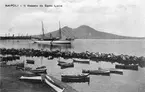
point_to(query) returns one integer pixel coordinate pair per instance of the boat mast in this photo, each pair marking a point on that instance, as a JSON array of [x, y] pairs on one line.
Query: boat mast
[[43, 29], [59, 31]]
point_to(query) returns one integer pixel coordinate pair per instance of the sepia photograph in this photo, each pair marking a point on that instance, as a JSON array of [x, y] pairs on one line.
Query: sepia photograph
[[72, 45]]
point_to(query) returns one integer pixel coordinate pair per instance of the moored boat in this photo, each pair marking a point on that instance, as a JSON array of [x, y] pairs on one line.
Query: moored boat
[[97, 72], [37, 71], [71, 80], [30, 61], [41, 67], [31, 78], [115, 71], [52, 84], [86, 61], [53, 42], [72, 76], [66, 65], [131, 67], [61, 42], [48, 80], [61, 62], [43, 42]]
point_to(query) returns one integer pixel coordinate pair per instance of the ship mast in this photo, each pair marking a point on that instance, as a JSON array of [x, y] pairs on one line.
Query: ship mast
[[59, 31], [43, 29]]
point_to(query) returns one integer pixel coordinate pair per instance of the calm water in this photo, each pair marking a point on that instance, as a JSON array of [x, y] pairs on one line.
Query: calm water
[[130, 81]]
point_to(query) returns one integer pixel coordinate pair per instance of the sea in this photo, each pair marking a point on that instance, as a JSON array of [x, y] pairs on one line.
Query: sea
[[130, 81]]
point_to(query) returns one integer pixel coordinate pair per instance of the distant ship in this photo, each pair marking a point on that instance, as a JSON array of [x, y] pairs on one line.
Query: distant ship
[[53, 40]]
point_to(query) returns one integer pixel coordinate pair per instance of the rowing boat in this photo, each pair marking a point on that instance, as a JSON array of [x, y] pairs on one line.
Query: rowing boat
[[30, 61], [71, 80], [32, 78], [37, 71], [48, 80], [97, 72], [85, 61], [52, 84], [72, 76]]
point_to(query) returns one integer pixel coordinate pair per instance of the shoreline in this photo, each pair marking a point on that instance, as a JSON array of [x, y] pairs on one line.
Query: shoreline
[[9, 82]]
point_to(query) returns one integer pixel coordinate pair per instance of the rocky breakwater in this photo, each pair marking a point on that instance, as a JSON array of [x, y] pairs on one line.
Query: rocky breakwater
[[95, 56]]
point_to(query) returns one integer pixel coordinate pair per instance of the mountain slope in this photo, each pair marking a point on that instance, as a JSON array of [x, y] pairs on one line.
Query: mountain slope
[[90, 33], [86, 32], [65, 31]]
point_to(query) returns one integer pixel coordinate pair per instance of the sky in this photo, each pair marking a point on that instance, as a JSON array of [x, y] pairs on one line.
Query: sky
[[121, 17]]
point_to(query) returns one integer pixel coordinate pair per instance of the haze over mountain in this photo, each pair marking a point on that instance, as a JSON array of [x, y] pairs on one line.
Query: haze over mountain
[[86, 32]]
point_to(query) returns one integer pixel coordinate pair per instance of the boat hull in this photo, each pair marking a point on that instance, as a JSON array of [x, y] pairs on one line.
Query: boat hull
[[31, 79], [37, 71], [66, 65], [61, 42], [96, 72], [46, 79], [41, 67], [85, 79], [115, 71], [74, 76], [43, 42], [82, 61], [53, 42], [30, 61], [52, 84]]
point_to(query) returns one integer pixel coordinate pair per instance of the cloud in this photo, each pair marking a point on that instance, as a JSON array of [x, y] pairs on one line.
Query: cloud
[[123, 17]]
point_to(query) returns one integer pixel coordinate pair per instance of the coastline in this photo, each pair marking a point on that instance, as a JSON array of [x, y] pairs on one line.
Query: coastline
[[9, 82]]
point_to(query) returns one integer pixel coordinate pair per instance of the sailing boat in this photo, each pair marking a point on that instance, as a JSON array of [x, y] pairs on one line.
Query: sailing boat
[[43, 40], [53, 41]]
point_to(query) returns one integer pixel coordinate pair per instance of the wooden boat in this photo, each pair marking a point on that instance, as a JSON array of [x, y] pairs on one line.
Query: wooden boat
[[97, 72], [85, 79], [79, 76], [131, 67], [55, 42], [115, 71], [66, 65], [41, 67], [46, 79], [30, 61], [43, 42], [85, 61], [52, 84], [37, 71], [31, 78], [61, 42], [61, 62]]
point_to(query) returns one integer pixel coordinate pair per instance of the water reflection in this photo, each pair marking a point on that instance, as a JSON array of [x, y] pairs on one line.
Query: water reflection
[[94, 81], [61, 47]]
